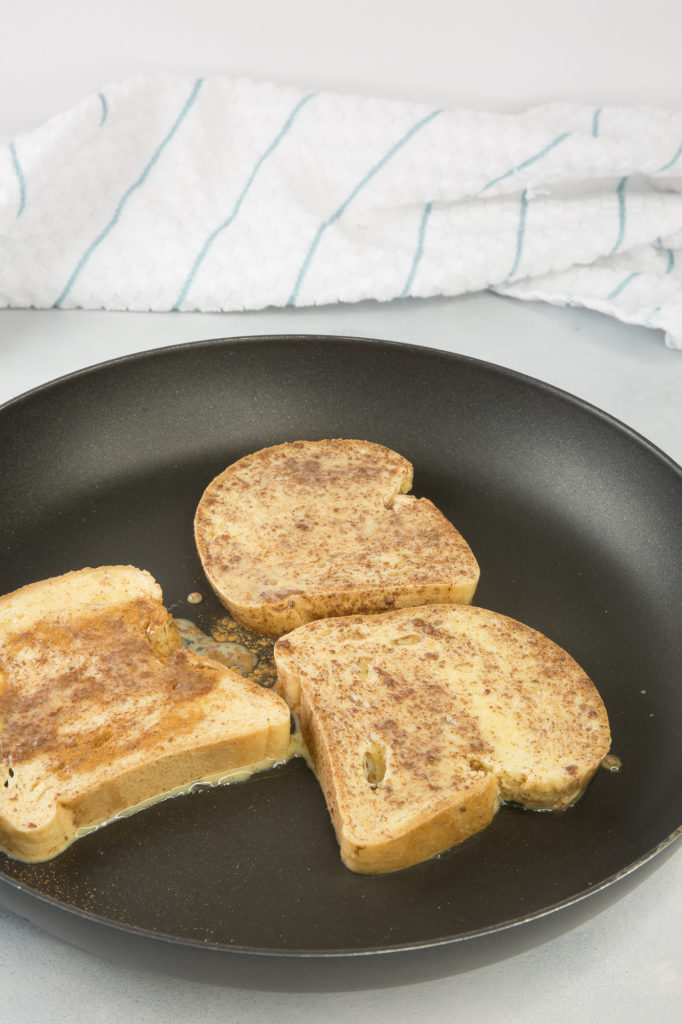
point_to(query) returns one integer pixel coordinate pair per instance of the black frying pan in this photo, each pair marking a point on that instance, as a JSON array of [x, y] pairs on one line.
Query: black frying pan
[[577, 525]]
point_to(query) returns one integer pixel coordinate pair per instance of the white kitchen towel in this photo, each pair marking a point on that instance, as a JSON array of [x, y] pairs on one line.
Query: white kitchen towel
[[171, 193]]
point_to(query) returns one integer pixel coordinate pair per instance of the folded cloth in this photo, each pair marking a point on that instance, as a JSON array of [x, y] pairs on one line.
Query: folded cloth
[[170, 193]]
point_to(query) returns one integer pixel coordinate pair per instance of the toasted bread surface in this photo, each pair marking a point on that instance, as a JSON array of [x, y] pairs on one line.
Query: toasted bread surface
[[102, 709], [312, 529], [420, 721]]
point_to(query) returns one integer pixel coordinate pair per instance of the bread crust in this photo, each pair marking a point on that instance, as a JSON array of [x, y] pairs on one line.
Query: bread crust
[[313, 529], [102, 709], [421, 721]]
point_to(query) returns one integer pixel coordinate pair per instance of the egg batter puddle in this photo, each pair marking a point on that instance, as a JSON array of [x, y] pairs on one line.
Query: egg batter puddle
[[233, 645]]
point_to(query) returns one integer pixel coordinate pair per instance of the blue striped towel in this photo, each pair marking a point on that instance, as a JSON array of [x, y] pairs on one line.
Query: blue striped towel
[[169, 193]]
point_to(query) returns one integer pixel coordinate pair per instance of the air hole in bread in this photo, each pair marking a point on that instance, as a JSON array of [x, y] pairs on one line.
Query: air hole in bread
[[100, 738], [478, 766], [363, 666], [407, 640], [374, 765]]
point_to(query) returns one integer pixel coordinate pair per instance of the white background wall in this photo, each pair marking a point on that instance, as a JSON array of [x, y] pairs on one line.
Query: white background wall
[[487, 54]]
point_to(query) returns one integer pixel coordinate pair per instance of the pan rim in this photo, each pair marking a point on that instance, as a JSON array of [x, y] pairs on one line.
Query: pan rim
[[345, 954], [312, 338]]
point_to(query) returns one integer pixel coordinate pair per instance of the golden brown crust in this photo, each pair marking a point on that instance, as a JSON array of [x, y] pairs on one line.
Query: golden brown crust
[[313, 529], [102, 709], [420, 721]]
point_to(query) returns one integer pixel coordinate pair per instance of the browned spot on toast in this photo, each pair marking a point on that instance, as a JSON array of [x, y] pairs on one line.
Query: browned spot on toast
[[112, 664]]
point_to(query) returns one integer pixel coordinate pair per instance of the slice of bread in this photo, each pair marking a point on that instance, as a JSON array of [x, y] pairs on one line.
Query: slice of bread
[[102, 709], [420, 721], [313, 529]]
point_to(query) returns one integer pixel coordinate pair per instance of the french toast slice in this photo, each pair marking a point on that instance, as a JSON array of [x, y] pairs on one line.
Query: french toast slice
[[312, 529], [102, 709], [420, 721]]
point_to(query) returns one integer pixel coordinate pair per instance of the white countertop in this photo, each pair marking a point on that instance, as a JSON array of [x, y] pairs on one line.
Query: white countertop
[[625, 963]]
